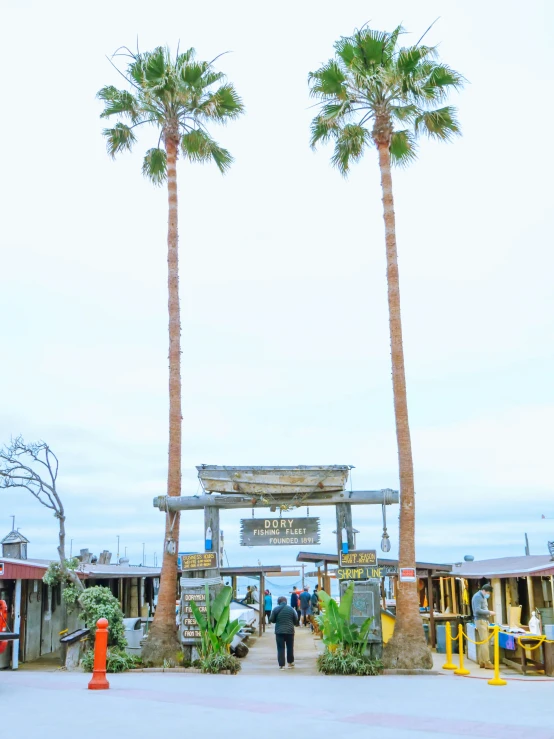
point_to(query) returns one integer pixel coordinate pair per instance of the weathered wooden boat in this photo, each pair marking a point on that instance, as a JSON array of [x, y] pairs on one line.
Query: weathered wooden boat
[[301, 480]]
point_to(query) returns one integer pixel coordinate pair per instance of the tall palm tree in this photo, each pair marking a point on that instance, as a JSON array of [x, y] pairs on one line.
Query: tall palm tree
[[178, 96], [376, 92]]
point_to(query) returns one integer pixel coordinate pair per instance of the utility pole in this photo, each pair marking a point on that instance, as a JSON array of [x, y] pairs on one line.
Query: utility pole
[[527, 551], [143, 554], [70, 548], [117, 548]]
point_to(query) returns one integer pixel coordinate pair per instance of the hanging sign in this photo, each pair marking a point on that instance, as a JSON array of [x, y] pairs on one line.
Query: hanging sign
[[263, 532], [408, 574], [365, 573], [200, 561], [358, 557]]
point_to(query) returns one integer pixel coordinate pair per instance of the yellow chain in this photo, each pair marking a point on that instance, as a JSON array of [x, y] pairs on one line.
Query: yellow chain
[[479, 642]]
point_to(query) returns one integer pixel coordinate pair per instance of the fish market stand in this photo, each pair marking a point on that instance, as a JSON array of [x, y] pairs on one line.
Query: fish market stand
[[520, 586]]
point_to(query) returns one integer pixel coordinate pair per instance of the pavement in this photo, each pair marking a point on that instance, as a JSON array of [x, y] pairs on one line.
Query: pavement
[[263, 701]]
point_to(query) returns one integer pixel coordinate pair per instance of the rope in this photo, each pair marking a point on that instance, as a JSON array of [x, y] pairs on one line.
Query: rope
[[199, 582], [542, 640], [478, 643]]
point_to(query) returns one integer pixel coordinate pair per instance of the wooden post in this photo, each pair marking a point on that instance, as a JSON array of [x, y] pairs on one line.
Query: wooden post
[[16, 625], [531, 594], [552, 589], [430, 600], [344, 519], [441, 583], [454, 595], [514, 592], [211, 521], [326, 585]]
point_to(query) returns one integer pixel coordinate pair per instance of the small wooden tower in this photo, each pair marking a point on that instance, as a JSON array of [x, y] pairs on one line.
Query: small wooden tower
[[14, 546]]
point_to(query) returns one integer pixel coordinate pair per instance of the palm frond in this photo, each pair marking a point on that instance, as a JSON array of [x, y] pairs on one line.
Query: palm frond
[[403, 148], [154, 166], [350, 142], [322, 129], [118, 102], [438, 124], [155, 67], [409, 58], [329, 81], [119, 138], [404, 112], [222, 104], [198, 146]]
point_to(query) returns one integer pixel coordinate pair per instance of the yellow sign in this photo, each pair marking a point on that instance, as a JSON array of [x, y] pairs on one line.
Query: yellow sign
[[364, 573], [358, 557]]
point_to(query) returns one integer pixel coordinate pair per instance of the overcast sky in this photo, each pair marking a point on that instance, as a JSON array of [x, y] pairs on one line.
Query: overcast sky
[[285, 330]]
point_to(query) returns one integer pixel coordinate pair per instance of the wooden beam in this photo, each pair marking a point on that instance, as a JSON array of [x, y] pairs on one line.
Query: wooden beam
[[197, 502], [454, 595], [531, 594], [443, 608], [431, 603]]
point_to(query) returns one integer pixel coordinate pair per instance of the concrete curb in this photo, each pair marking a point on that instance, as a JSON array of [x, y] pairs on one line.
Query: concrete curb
[[410, 672]]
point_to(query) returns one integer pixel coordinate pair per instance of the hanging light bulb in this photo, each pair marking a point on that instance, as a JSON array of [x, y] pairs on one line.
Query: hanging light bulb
[[385, 541]]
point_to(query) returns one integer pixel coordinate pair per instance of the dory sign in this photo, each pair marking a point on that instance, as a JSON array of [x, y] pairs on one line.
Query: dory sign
[[264, 532]]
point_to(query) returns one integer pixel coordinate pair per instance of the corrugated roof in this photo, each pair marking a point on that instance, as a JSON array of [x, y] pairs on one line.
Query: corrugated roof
[[532, 564], [93, 571]]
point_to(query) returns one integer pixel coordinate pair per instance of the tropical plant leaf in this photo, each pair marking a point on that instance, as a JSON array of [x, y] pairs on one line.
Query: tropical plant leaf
[[346, 600], [439, 124], [350, 142], [119, 138], [221, 602], [198, 615], [403, 147], [155, 166], [197, 146], [231, 631], [222, 621]]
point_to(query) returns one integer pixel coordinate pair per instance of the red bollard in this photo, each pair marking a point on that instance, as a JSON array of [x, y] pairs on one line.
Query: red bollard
[[98, 680]]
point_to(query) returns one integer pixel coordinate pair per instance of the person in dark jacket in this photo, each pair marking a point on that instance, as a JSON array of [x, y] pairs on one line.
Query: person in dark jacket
[[306, 606], [285, 619], [295, 601]]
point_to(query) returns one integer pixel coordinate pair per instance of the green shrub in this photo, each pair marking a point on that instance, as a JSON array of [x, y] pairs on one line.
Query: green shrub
[[117, 660], [345, 662], [99, 602], [220, 662]]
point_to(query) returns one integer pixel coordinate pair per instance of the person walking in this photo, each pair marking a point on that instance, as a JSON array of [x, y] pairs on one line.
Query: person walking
[[305, 606], [285, 619], [268, 604], [295, 601], [481, 615]]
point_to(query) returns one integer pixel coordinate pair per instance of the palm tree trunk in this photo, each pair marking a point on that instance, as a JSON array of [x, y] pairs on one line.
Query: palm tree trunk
[[407, 647], [163, 641]]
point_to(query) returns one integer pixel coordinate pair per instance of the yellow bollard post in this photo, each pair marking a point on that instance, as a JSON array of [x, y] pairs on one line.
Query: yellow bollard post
[[497, 680], [448, 665], [461, 669]]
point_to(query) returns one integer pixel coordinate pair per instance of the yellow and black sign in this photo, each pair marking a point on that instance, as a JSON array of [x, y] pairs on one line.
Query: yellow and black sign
[[365, 573], [365, 557], [200, 561]]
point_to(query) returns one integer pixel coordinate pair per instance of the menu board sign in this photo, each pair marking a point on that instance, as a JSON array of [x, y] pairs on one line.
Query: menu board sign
[[200, 561], [190, 630]]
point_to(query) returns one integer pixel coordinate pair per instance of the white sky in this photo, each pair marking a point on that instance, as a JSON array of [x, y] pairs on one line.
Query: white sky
[[285, 335]]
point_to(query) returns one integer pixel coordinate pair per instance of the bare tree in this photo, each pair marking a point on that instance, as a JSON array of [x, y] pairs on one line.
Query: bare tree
[[35, 467]]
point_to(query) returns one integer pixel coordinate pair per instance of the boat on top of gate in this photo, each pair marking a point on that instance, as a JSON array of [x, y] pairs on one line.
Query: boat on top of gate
[[300, 480]]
